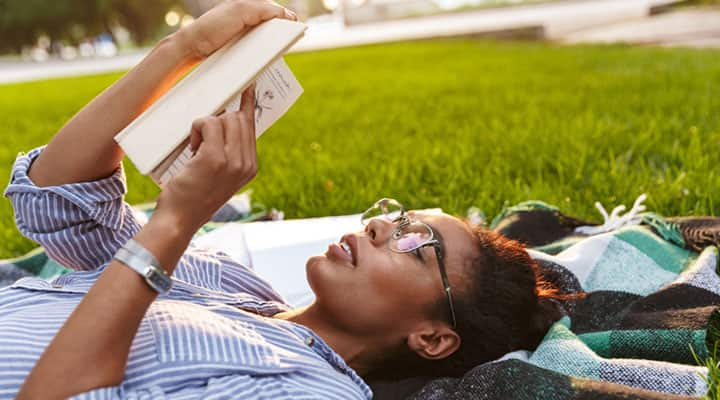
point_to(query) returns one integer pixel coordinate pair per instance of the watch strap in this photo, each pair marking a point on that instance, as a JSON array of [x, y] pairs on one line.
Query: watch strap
[[142, 261]]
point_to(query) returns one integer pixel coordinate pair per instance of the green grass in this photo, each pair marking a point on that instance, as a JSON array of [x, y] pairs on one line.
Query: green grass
[[456, 123], [712, 378]]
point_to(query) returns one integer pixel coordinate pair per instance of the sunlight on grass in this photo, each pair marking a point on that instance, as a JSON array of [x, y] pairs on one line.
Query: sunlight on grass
[[712, 361], [456, 123]]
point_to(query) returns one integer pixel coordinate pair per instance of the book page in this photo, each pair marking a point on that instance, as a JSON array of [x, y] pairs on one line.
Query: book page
[[276, 90]]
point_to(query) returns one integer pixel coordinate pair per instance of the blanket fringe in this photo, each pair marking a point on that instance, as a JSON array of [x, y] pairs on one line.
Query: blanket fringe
[[614, 220]]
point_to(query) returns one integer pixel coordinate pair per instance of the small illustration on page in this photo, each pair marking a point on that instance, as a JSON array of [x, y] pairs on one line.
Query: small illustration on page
[[262, 102]]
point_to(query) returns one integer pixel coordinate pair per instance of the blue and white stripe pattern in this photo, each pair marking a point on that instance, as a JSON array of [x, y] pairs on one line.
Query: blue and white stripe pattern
[[211, 337]]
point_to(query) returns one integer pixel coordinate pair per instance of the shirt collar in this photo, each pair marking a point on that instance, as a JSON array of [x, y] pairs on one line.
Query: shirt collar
[[319, 346]]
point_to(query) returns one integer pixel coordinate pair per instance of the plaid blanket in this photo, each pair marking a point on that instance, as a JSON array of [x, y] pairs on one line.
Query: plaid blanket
[[653, 290], [639, 332]]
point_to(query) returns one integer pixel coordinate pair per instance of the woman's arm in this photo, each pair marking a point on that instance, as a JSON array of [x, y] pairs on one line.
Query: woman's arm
[[83, 224], [84, 149], [91, 349]]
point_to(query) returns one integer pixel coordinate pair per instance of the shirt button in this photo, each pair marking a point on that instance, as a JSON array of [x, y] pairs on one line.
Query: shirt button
[[310, 341]]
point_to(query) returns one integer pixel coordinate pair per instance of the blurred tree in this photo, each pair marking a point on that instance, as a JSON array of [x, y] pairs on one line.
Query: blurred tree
[[315, 7], [141, 17], [304, 8], [22, 21]]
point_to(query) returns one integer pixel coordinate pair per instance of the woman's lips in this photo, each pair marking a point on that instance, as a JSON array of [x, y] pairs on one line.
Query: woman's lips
[[338, 253], [352, 242]]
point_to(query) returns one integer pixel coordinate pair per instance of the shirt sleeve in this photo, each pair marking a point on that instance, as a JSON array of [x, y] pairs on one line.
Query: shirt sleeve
[[80, 225]]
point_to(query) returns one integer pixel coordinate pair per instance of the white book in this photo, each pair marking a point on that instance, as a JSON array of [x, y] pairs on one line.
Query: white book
[[157, 141]]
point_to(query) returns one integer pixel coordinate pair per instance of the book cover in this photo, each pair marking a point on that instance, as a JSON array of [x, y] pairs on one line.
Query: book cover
[[157, 140]]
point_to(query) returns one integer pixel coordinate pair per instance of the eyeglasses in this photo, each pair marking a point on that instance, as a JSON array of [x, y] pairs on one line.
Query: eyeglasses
[[410, 235]]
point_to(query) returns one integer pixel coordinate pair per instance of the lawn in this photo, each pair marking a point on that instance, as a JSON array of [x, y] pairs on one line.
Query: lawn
[[456, 123]]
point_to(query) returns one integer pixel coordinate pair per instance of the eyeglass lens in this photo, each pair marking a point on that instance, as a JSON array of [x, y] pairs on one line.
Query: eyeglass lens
[[411, 237], [386, 209]]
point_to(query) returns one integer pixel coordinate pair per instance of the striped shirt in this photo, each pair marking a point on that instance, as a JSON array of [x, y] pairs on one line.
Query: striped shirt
[[211, 337]]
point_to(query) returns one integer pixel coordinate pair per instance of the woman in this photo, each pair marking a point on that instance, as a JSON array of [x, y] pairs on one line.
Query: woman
[[426, 291]]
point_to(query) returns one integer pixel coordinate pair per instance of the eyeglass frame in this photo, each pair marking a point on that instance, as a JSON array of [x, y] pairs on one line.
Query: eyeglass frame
[[402, 221]]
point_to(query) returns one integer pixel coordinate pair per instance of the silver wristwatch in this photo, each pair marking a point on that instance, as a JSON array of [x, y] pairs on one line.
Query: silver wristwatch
[[137, 257]]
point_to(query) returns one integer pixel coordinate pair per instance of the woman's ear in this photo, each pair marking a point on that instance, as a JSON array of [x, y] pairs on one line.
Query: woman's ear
[[434, 342]]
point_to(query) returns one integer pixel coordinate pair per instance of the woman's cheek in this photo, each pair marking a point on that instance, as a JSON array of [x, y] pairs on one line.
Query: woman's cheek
[[393, 279]]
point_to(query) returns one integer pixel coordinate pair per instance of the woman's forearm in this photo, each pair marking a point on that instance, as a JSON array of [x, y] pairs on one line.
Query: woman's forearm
[[84, 149], [91, 349]]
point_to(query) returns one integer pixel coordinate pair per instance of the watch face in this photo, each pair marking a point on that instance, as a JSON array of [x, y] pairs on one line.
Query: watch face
[[160, 282]]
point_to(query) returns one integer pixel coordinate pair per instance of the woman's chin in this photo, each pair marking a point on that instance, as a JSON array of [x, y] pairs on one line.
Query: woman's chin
[[323, 273], [323, 261], [314, 260]]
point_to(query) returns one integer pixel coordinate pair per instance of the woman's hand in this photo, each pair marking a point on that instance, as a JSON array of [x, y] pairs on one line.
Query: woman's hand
[[224, 161], [217, 26], [94, 127]]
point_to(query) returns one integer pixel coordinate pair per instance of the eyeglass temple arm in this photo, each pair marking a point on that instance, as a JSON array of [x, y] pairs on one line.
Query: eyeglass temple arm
[[445, 281]]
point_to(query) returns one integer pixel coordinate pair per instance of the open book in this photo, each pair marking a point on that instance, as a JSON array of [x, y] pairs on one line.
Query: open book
[[157, 141]]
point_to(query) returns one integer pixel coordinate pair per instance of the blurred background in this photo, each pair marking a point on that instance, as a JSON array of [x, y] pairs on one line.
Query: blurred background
[[40, 31], [438, 103]]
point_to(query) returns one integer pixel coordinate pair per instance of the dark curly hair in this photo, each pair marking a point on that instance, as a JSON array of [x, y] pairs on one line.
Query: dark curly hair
[[505, 306]]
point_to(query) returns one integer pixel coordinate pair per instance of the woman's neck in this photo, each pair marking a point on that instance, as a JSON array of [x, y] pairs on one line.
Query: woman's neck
[[356, 351]]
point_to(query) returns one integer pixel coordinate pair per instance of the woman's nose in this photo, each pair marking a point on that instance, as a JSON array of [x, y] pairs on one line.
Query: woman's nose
[[379, 230]]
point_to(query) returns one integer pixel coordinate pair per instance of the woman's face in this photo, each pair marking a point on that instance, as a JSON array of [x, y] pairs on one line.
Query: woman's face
[[379, 290]]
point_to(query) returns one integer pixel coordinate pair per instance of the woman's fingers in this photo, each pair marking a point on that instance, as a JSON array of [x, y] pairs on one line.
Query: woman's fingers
[[248, 140], [263, 11], [289, 14], [279, 11], [228, 19], [195, 140], [240, 137], [212, 142], [247, 105], [285, 12], [245, 119], [268, 9]]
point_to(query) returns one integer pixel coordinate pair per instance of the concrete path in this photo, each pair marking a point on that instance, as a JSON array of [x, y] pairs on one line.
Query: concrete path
[[690, 28], [556, 19], [20, 71], [553, 20]]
